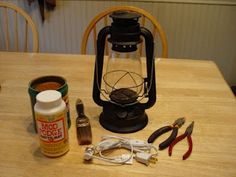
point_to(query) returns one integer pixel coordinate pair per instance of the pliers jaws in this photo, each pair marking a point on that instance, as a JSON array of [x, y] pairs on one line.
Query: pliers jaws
[[189, 129], [179, 122]]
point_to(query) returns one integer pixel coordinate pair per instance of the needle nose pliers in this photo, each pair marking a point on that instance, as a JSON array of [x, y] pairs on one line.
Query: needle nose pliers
[[187, 134], [174, 127]]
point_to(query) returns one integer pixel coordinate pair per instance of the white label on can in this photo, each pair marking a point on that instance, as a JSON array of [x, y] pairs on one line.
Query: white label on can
[[51, 131]]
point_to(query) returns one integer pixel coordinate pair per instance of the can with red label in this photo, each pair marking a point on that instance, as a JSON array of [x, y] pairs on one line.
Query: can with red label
[[51, 118]]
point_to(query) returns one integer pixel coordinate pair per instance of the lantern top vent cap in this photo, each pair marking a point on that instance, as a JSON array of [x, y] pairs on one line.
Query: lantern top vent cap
[[124, 15]]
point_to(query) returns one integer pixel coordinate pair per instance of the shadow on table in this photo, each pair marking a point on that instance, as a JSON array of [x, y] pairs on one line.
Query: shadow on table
[[37, 153], [30, 126], [31, 129], [233, 88]]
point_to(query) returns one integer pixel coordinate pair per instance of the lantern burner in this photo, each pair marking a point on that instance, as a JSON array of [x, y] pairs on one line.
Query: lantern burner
[[123, 119], [119, 92], [123, 96]]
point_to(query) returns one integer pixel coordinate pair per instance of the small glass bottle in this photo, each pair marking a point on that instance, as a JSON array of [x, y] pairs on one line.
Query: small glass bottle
[[51, 118]]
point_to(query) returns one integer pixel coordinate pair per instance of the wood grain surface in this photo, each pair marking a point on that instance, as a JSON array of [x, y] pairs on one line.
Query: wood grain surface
[[194, 89]]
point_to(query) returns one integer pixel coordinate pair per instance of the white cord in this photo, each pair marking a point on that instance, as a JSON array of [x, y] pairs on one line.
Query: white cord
[[113, 142], [138, 149]]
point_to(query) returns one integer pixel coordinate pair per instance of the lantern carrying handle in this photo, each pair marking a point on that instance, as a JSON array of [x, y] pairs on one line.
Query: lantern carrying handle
[[99, 62], [150, 68]]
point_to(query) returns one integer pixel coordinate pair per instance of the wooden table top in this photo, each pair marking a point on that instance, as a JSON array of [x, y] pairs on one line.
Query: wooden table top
[[194, 89]]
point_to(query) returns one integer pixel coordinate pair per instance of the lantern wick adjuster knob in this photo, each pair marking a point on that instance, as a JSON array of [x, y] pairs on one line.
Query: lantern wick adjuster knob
[[121, 114]]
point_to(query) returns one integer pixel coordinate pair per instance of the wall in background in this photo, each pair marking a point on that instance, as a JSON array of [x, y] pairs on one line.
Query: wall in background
[[197, 31], [224, 2]]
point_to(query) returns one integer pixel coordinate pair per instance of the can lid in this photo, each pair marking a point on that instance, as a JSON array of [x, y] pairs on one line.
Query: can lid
[[49, 97]]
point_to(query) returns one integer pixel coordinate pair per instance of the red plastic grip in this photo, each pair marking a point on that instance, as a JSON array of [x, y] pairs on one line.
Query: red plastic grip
[[179, 138], [190, 143]]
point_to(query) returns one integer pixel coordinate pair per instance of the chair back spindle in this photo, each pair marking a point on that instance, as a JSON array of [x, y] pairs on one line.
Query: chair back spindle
[[12, 38]]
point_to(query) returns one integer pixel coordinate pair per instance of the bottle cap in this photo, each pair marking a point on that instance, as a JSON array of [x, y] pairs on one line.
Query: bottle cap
[[49, 98]]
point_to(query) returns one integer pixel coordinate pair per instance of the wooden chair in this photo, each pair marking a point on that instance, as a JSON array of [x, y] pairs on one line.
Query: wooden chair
[[11, 18], [103, 16]]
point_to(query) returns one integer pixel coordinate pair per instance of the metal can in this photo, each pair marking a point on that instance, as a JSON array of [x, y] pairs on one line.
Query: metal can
[[49, 82], [51, 118]]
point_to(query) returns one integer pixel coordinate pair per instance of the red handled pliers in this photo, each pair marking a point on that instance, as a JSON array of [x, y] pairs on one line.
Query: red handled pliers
[[187, 134]]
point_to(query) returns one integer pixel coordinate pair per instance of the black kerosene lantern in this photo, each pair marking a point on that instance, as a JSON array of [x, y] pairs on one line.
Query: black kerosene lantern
[[125, 92]]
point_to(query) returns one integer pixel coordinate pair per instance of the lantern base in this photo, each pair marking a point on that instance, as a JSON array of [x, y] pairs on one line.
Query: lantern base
[[123, 119]]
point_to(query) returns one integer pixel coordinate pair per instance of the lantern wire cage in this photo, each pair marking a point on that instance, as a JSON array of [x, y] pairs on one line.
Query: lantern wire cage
[[122, 75], [136, 96]]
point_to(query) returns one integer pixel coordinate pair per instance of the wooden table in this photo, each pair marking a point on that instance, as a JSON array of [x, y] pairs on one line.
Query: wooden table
[[194, 89]]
